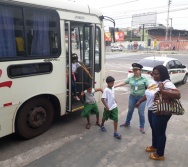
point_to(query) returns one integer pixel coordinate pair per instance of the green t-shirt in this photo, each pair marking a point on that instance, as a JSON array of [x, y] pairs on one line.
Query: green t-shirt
[[138, 86]]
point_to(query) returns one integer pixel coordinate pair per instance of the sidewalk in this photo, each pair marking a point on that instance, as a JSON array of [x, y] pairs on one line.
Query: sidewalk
[[100, 149], [149, 52]]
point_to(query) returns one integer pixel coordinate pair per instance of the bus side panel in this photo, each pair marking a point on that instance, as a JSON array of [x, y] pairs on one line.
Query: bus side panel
[[99, 76], [6, 120], [78, 17], [16, 91]]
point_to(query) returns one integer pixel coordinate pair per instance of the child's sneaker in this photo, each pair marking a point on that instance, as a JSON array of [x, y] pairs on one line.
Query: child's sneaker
[[77, 98], [142, 130], [125, 125], [103, 128], [117, 135]]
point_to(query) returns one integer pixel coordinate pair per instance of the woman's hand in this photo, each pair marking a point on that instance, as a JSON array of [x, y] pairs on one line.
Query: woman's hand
[[137, 104], [161, 86]]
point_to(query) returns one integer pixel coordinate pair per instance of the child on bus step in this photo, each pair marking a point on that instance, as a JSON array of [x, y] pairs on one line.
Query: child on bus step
[[75, 65], [90, 106], [110, 110]]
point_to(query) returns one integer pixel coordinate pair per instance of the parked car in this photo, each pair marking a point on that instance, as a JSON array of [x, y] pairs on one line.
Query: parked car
[[116, 48], [177, 71]]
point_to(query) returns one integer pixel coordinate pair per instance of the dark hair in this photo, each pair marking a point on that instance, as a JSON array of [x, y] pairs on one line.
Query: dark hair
[[74, 56], [87, 86], [163, 72], [109, 79]]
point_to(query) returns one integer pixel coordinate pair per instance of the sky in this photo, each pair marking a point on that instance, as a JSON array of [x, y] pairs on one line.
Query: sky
[[123, 10]]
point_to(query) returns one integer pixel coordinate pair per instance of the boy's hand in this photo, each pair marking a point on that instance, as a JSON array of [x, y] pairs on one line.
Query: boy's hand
[[107, 109], [82, 93]]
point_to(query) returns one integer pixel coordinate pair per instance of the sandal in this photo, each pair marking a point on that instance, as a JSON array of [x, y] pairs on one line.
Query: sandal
[[124, 125], [88, 126], [150, 149], [98, 124], [103, 128], [154, 156], [117, 135]]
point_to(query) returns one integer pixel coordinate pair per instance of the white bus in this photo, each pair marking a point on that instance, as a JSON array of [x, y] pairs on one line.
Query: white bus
[[37, 38]]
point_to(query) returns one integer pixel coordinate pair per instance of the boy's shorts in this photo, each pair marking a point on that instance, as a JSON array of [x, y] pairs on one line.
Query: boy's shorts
[[112, 114], [90, 109]]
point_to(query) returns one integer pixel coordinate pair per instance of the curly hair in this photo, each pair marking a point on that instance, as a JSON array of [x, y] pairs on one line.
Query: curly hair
[[164, 75]]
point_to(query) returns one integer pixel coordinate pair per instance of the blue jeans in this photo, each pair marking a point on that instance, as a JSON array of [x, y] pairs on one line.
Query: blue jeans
[[73, 87], [132, 101], [158, 124]]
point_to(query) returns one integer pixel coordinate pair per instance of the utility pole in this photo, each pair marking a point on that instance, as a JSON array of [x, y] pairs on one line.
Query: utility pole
[[166, 37], [143, 33], [171, 29], [131, 30]]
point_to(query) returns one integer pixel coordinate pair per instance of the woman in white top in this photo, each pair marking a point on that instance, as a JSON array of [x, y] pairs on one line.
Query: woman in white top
[[158, 123]]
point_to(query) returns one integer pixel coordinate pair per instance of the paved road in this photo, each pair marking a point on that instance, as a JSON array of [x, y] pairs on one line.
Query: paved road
[[69, 144], [99, 149]]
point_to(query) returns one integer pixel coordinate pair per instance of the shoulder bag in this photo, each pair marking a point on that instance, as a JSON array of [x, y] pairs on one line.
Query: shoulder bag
[[166, 106]]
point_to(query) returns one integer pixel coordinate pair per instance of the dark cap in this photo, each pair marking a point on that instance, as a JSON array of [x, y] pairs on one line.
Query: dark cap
[[74, 56], [137, 66]]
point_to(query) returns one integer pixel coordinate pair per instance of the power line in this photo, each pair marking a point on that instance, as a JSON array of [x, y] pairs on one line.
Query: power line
[[175, 10], [118, 4], [130, 11]]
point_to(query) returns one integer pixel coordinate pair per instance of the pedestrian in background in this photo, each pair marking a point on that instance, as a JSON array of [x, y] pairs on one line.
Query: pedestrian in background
[[138, 85]]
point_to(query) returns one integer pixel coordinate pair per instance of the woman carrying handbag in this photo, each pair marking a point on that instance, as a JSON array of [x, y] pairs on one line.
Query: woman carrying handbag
[[158, 123]]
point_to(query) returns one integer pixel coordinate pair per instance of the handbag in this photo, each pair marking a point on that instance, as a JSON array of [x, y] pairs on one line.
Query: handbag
[[166, 107]]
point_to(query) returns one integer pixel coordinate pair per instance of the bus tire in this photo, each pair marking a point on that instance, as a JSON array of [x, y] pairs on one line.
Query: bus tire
[[34, 118]]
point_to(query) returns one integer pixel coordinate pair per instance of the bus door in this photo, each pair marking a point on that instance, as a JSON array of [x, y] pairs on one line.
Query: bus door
[[79, 45]]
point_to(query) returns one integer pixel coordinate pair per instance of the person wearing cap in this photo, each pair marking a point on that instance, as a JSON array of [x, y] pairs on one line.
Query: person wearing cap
[[75, 65], [138, 85]]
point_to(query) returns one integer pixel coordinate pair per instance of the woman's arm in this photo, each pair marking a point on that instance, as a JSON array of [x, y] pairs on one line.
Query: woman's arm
[[140, 101], [172, 94], [119, 84]]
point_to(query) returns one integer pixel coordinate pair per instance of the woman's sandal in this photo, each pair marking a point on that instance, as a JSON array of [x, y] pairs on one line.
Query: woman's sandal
[[88, 126], [150, 149], [154, 156], [124, 125]]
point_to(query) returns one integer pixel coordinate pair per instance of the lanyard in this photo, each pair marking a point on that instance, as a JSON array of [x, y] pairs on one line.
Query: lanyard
[[135, 82]]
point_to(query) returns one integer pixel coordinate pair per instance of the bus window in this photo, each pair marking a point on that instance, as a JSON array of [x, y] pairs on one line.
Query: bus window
[[41, 37], [10, 28], [42, 32]]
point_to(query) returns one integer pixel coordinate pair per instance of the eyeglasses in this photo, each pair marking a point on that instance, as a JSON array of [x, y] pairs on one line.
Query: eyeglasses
[[154, 74]]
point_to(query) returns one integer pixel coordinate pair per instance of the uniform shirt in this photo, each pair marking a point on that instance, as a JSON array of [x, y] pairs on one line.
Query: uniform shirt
[[109, 97], [90, 99], [138, 86], [75, 66], [153, 88]]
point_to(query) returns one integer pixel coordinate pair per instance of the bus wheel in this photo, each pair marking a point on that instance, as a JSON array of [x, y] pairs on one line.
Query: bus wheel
[[34, 118]]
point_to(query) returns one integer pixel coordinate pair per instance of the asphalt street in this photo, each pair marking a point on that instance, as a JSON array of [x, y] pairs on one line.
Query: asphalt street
[[68, 144], [95, 148]]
